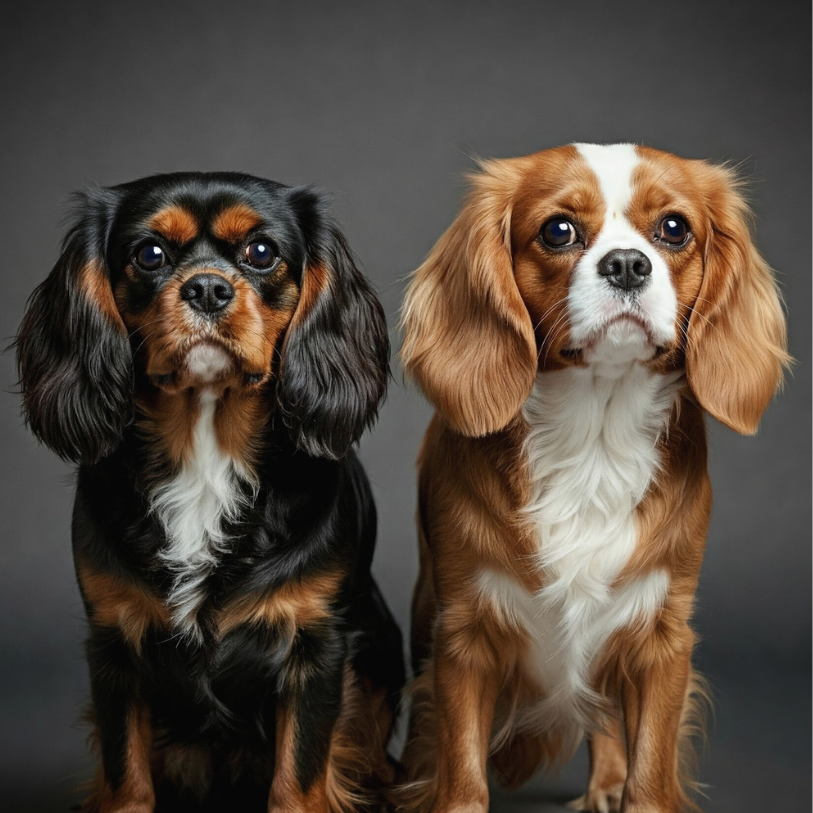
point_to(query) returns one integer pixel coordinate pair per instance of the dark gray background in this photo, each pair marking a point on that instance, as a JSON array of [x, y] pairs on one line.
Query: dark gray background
[[385, 103]]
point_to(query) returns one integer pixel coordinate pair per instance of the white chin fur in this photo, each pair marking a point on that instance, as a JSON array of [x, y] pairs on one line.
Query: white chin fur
[[623, 342], [206, 362]]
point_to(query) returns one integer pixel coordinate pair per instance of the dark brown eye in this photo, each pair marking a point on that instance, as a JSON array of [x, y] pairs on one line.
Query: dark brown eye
[[260, 254], [150, 258], [558, 233], [673, 230]]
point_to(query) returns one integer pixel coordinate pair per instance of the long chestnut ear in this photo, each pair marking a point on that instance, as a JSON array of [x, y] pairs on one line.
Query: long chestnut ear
[[73, 356], [736, 338], [335, 357], [468, 338]]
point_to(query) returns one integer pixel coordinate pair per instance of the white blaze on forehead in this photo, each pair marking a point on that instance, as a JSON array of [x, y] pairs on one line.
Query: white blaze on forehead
[[592, 302], [613, 165]]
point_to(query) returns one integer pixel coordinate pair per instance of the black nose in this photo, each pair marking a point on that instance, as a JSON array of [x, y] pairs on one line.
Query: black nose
[[207, 293], [626, 268]]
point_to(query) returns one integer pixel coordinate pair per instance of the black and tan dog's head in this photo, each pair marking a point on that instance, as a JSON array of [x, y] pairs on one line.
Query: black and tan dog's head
[[178, 283]]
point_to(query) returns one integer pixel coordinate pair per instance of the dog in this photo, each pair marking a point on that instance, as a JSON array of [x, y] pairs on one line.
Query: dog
[[207, 351], [572, 326]]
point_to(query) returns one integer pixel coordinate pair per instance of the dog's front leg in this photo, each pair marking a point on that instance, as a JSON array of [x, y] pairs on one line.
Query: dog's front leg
[[654, 696], [467, 682], [123, 727], [306, 715], [608, 771]]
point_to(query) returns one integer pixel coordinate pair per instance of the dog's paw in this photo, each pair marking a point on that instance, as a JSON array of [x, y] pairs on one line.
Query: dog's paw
[[600, 800]]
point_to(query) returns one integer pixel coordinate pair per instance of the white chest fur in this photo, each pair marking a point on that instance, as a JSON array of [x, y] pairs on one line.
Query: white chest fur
[[192, 507], [592, 455]]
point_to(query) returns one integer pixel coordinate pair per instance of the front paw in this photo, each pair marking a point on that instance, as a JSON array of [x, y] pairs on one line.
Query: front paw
[[600, 800]]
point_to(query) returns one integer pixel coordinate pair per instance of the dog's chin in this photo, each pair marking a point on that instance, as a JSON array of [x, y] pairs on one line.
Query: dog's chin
[[207, 366], [625, 338], [626, 331]]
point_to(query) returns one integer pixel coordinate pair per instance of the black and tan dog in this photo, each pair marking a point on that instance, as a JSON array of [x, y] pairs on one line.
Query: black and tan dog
[[207, 351]]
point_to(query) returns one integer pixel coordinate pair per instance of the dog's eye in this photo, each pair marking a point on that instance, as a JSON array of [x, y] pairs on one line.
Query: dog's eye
[[558, 232], [150, 258], [260, 254], [673, 230]]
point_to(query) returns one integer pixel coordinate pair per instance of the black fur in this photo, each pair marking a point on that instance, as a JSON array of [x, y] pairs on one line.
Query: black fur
[[313, 512], [333, 372], [310, 516], [75, 367]]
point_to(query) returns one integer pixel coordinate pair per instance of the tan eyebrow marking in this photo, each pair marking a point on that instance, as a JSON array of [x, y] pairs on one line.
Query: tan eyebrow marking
[[175, 223], [235, 222]]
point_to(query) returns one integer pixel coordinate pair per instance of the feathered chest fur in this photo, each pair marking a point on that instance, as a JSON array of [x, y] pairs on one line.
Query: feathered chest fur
[[209, 490], [592, 453]]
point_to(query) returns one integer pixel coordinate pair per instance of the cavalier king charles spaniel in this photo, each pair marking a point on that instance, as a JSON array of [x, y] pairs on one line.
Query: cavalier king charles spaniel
[[207, 351], [586, 308]]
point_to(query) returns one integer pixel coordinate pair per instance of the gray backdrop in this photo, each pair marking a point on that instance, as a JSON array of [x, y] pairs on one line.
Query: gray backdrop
[[385, 104]]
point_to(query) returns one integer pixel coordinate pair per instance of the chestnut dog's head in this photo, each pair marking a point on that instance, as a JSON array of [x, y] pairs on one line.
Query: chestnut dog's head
[[187, 281], [592, 252]]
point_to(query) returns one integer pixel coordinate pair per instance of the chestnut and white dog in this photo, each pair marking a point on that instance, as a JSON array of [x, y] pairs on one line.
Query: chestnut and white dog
[[571, 327]]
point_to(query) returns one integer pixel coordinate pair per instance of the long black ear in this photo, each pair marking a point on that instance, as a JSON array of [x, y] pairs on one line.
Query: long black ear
[[335, 357], [73, 356]]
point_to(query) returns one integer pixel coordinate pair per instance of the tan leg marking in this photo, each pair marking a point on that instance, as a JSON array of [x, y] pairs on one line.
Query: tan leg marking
[[286, 795], [357, 767], [136, 793]]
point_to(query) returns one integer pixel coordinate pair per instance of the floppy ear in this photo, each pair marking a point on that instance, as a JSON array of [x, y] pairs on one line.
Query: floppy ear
[[335, 357], [73, 356], [468, 338], [736, 337]]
